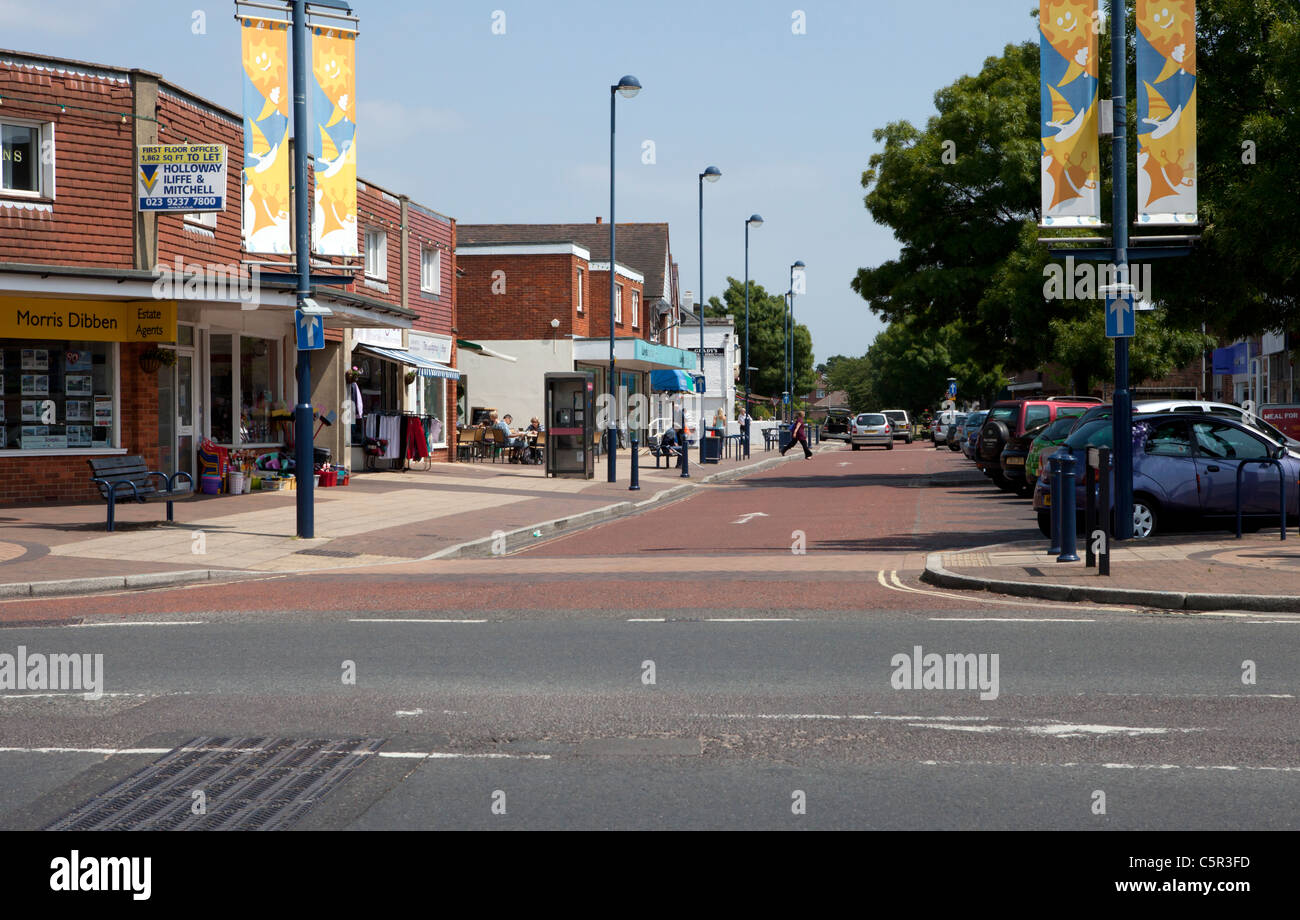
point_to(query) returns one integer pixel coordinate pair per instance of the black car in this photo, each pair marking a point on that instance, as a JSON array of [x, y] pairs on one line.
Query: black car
[[837, 423]]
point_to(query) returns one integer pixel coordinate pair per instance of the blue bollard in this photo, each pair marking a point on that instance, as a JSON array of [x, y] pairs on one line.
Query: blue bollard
[[636, 468], [1068, 523], [1054, 464], [686, 457]]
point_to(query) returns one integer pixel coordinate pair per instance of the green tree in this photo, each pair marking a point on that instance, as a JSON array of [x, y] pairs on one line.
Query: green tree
[[1158, 349]]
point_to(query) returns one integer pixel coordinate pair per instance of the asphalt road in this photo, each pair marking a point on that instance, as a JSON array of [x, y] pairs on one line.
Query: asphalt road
[[683, 669]]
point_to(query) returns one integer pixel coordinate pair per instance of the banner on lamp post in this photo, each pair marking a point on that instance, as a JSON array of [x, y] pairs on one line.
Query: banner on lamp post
[[1166, 111], [266, 135], [334, 141], [1069, 87]]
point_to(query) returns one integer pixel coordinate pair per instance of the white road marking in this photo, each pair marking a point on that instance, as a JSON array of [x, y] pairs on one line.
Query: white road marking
[[1059, 730], [746, 518], [79, 694], [1108, 766], [899, 586], [408, 712], [408, 620], [648, 620]]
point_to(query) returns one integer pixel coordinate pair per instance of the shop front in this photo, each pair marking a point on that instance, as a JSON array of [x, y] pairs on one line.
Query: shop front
[[78, 379], [635, 360]]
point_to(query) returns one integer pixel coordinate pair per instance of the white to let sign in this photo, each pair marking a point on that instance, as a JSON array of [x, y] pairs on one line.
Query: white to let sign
[[181, 177]]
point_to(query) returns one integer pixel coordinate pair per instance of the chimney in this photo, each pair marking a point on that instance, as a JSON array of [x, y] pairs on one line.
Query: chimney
[[597, 218]]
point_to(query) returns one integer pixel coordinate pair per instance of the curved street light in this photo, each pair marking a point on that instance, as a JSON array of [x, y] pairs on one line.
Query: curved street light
[[712, 174], [627, 87], [757, 221]]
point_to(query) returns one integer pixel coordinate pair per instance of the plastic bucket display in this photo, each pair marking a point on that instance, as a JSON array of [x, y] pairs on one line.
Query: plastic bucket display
[[210, 484]]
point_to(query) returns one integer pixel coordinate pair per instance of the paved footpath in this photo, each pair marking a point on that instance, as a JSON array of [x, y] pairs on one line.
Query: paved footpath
[[380, 518]]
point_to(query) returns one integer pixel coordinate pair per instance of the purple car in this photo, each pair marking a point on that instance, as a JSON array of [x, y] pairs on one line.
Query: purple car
[[1185, 466]]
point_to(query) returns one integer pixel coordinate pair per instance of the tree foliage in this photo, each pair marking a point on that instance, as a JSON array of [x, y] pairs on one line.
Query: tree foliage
[[766, 338]]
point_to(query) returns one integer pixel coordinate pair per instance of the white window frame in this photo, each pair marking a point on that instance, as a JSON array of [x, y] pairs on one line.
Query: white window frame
[[380, 262], [431, 277], [636, 309], [618, 303], [206, 219], [581, 280], [46, 186]]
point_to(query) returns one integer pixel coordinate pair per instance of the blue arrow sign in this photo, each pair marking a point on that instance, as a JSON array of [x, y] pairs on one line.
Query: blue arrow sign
[[952, 390], [311, 331], [1119, 316]]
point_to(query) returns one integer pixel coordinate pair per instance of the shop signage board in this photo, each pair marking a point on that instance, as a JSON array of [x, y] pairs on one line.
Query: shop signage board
[[1284, 418], [88, 320], [181, 177]]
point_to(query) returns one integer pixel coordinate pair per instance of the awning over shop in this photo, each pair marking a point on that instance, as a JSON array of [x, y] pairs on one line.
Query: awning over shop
[[484, 350], [672, 382], [425, 367]]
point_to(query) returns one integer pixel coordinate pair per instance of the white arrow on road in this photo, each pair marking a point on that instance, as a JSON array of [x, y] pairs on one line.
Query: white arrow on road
[[746, 518], [845, 463]]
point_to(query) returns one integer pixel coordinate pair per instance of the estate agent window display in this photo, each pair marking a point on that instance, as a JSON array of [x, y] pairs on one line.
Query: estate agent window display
[[57, 395]]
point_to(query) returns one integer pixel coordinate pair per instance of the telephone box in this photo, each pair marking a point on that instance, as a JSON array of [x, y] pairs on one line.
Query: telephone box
[[570, 425]]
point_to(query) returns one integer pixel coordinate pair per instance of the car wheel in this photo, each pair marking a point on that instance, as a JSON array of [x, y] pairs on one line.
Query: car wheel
[[856, 446], [1001, 481], [908, 439], [1045, 523], [1025, 489], [954, 448], [1145, 518], [890, 446]]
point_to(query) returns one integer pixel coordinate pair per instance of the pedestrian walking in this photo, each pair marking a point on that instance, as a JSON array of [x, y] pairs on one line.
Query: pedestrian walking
[[798, 433]]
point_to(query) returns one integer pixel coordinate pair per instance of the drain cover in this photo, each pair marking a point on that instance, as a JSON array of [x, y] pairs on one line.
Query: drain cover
[[246, 784], [338, 553]]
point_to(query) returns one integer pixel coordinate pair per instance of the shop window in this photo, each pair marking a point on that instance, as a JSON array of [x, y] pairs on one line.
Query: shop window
[[377, 255], [57, 395], [244, 386], [432, 401], [26, 159], [431, 271]]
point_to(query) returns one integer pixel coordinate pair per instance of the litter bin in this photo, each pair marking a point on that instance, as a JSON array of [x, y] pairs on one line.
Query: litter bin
[[712, 448], [785, 437]]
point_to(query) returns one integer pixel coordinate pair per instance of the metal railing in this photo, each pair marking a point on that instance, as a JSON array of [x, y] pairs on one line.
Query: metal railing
[[1281, 480]]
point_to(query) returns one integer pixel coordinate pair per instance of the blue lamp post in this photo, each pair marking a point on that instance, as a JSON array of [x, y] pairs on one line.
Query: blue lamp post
[[789, 345], [713, 174], [757, 221], [627, 87]]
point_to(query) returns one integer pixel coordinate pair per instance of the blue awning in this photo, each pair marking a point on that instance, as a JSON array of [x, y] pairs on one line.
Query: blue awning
[[424, 366], [672, 382]]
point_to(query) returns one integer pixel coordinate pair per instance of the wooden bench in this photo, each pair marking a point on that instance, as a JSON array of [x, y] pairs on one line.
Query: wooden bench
[[122, 477]]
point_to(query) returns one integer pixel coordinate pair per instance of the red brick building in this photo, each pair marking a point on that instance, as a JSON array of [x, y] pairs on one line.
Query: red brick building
[[134, 333]]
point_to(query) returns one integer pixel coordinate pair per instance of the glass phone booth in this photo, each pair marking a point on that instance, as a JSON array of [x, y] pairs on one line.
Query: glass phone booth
[[570, 424]]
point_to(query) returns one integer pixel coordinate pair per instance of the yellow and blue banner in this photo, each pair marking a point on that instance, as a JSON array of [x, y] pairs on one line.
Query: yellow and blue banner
[[1166, 111], [266, 135], [334, 141], [1069, 89]]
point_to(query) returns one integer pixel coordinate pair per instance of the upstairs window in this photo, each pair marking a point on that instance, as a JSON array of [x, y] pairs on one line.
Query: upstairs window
[[430, 271], [377, 255], [636, 309], [581, 278], [26, 159], [618, 303]]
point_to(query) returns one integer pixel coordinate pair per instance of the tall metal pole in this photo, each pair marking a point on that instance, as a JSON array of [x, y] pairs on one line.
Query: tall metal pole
[[700, 307], [611, 428], [304, 449], [1123, 408], [785, 349], [746, 431]]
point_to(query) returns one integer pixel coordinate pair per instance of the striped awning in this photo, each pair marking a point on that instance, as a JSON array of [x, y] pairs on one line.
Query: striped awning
[[424, 366]]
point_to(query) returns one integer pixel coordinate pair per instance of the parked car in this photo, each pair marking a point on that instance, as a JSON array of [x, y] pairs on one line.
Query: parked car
[[943, 420], [1227, 410], [953, 438], [901, 424], [971, 430], [1002, 439], [1052, 436], [837, 424], [871, 429], [1185, 470]]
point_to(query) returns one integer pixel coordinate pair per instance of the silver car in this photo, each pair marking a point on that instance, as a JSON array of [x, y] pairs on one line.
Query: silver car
[[871, 429]]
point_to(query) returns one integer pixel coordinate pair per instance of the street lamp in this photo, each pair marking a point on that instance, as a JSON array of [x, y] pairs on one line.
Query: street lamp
[[757, 221], [627, 87], [713, 174], [789, 343]]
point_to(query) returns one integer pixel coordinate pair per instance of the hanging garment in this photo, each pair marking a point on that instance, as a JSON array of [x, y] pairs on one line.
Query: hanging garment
[[390, 430], [358, 409], [417, 446]]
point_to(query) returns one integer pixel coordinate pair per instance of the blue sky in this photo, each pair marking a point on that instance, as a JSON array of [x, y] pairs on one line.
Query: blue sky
[[495, 128]]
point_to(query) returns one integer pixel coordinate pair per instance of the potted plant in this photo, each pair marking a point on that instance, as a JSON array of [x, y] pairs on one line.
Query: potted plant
[[154, 358], [353, 374], [410, 377]]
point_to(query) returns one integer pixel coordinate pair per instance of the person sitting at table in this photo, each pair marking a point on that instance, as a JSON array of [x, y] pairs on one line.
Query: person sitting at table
[[533, 454], [517, 442]]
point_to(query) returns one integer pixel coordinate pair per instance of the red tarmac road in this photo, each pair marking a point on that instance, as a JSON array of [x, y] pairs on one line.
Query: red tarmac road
[[862, 514]]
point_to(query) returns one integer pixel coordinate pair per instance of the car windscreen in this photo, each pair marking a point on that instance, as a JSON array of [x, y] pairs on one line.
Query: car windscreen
[[1003, 413], [1059, 428], [1098, 433], [896, 416], [868, 420]]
